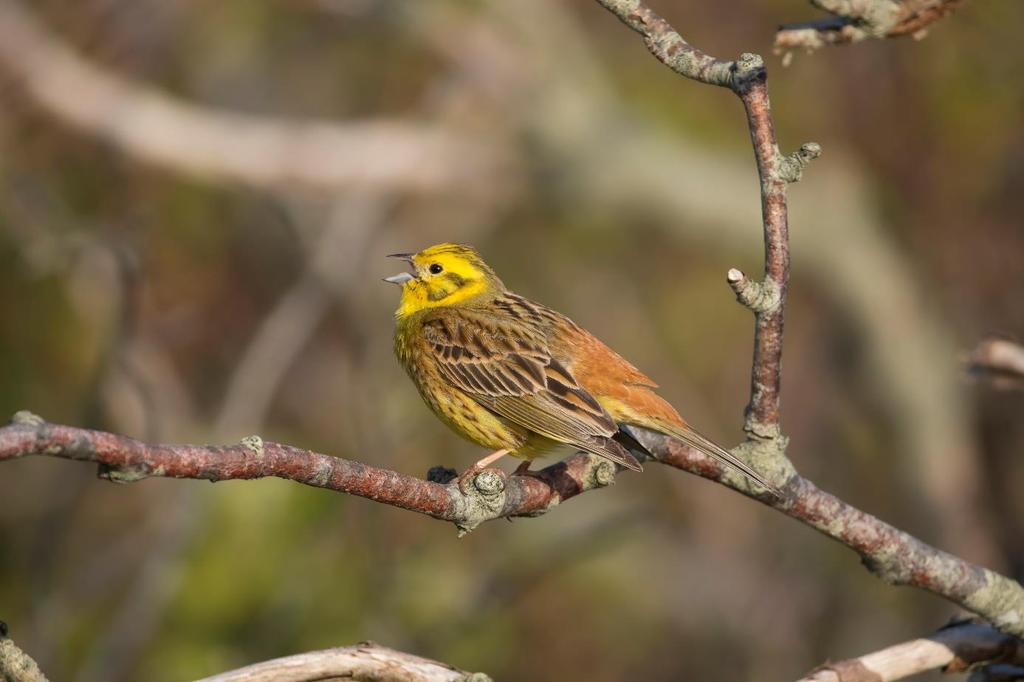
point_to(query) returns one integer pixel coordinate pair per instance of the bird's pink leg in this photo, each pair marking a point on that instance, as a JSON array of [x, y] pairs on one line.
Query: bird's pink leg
[[468, 474], [490, 459]]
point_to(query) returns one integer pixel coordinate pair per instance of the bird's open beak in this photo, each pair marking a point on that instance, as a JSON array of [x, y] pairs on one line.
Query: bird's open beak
[[402, 277]]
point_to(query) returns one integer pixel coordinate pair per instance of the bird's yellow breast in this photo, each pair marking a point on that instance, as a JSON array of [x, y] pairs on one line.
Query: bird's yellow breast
[[458, 410]]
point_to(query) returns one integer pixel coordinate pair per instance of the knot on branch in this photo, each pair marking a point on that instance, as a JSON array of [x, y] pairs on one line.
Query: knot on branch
[[15, 664], [760, 297], [791, 168], [253, 444], [602, 474], [747, 71], [489, 482], [768, 457], [477, 677], [27, 418], [761, 431], [482, 499]]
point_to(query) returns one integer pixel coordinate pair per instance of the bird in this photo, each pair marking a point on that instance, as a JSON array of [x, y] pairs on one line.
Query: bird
[[520, 378]]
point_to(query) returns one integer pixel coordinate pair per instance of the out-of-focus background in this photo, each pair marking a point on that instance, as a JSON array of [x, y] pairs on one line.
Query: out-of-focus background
[[195, 199]]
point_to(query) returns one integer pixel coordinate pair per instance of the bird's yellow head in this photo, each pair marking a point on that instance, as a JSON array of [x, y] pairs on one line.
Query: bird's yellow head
[[443, 275]]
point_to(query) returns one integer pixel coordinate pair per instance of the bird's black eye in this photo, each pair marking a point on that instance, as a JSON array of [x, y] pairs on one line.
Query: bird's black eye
[[435, 269]]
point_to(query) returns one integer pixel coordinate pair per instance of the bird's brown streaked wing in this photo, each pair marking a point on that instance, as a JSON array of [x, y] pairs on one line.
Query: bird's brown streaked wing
[[508, 369]]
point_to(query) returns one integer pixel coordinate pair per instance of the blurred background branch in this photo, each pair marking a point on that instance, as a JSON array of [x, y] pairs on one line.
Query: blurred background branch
[[856, 20], [958, 647], [228, 146], [364, 661]]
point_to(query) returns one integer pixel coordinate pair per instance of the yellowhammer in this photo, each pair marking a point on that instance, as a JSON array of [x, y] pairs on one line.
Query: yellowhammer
[[518, 377]]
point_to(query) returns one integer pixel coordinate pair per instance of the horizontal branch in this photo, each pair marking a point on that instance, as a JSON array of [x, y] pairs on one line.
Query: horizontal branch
[[956, 648], [489, 494], [365, 661], [852, 22], [261, 151], [665, 43], [893, 555]]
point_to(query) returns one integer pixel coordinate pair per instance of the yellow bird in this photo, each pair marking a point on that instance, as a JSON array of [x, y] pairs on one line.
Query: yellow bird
[[518, 377]]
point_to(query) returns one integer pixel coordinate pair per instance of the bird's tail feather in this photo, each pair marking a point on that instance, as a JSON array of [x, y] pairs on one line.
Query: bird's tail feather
[[626, 439], [609, 449], [712, 449]]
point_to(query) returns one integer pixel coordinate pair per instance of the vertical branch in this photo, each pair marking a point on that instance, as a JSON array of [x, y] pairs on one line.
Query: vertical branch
[[767, 299], [762, 415], [893, 555], [748, 78]]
